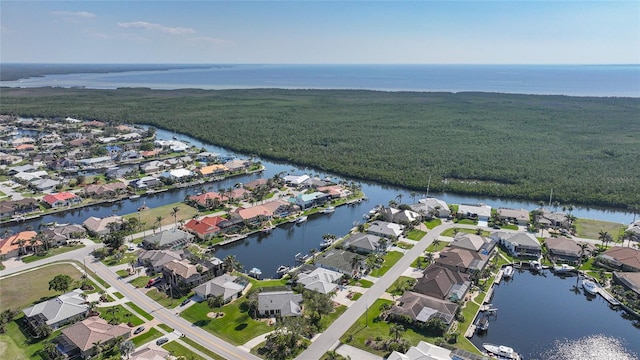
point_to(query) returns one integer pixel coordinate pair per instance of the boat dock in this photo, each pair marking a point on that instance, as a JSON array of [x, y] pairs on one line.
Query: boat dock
[[498, 277], [470, 331], [605, 294]]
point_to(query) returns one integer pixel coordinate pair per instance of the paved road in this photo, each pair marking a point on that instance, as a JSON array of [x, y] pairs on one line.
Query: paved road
[[330, 338]]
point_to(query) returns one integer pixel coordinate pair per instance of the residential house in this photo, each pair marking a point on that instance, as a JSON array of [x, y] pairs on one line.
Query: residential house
[[305, 201], [629, 280], [16, 207], [335, 191], [297, 181], [519, 217], [204, 228], [400, 216], [172, 145], [61, 199], [212, 170], [28, 168], [480, 212], [208, 200], [177, 174], [279, 303], [462, 260], [60, 235], [155, 259], [341, 261], [253, 215], [85, 334], [385, 229], [320, 280], [168, 239], [423, 308], [431, 207], [44, 185], [110, 190], [206, 156], [366, 243], [519, 243], [239, 194], [184, 274], [472, 242], [442, 283], [224, 285], [564, 250], [152, 167], [96, 163], [252, 185], [634, 229], [147, 182], [622, 258], [17, 244], [236, 165], [58, 311], [280, 208], [121, 172], [103, 226], [554, 219], [8, 159], [149, 353], [423, 351]]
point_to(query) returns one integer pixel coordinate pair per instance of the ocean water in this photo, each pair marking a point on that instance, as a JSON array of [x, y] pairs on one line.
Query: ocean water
[[571, 80]]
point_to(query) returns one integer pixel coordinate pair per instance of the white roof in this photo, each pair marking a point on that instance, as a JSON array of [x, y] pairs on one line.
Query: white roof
[[180, 173], [60, 308], [423, 351], [480, 209], [296, 179]]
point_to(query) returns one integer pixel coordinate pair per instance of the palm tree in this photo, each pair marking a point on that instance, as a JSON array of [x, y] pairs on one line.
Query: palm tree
[[174, 213], [113, 311], [127, 347], [429, 257], [396, 330], [635, 209], [413, 196], [437, 242], [356, 263], [399, 198], [605, 237], [231, 263], [99, 348]]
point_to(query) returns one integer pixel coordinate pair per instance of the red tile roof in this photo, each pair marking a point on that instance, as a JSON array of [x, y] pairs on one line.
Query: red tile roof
[[62, 196]]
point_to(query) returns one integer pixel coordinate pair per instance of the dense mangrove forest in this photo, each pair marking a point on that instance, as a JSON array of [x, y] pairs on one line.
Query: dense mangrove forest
[[587, 149]]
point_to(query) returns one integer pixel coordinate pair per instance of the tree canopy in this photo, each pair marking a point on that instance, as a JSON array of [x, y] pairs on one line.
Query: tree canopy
[[60, 283]]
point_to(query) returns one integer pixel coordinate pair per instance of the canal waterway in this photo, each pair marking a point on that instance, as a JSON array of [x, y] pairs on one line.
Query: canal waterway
[[267, 252], [541, 313]]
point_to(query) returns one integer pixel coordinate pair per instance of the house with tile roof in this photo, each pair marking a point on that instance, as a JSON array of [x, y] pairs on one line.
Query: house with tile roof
[[423, 308], [519, 244], [366, 243], [10, 246], [442, 283], [385, 229], [85, 334], [472, 242], [622, 258], [279, 303], [155, 259], [169, 239], [479, 212], [204, 228], [183, 273], [149, 353], [61, 199], [212, 170], [305, 201], [58, 311], [462, 260], [565, 250], [208, 200], [519, 217], [224, 285], [629, 280], [431, 207], [103, 226], [320, 280], [109, 190], [399, 216], [340, 261]]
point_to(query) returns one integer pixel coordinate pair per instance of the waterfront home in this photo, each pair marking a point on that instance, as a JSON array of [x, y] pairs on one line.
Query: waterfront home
[[254, 184], [150, 153], [236, 165], [152, 167], [296, 181], [61, 199], [422, 351], [320, 280], [239, 194], [103, 226], [169, 239], [96, 163], [171, 145], [622, 258], [472, 242], [17, 244], [206, 156], [253, 215], [519, 244], [305, 201], [335, 191], [155, 259], [462, 260], [519, 217], [400, 216], [280, 208], [279, 304], [121, 172], [208, 200], [212, 170], [342, 261], [58, 311], [442, 283], [129, 136], [480, 212], [183, 274], [385, 229], [629, 280], [204, 228], [14, 207], [8, 159], [60, 235], [224, 285], [634, 230], [553, 219], [44, 185], [564, 250], [110, 190], [176, 174], [422, 308], [82, 337], [431, 207], [147, 182], [366, 243]]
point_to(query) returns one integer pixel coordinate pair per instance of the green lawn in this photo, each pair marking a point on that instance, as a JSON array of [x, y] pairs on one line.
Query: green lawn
[[140, 281], [329, 319], [179, 350], [164, 299], [590, 229], [123, 273], [18, 345], [452, 232], [404, 245], [356, 296], [415, 234], [148, 217], [361, 283], [145, 337], [126, 259], [122, 315], [22, 290], [50, 253], [236, 326], [118, 295], [203, 349], [165, 327], [140, 312], [432, 223], [390, 259], [399, 286]]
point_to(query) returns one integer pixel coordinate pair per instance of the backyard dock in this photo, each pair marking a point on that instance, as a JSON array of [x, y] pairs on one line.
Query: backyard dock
[[605, 294], [498, 277]]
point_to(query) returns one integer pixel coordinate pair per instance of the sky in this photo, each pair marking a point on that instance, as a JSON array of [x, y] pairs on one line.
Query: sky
[[321, 32]]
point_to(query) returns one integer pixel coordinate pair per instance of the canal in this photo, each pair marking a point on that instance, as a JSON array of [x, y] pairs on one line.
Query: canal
[[543, 315]]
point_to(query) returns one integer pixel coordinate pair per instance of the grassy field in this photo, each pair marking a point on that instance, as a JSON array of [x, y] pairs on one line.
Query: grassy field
[[164, 299], [390, 259], [140, 281], [178, 350], [432, 223], [415, 234], [50, 253], [590, 229], [141, 312], [20, 291], [236, 326], [148, 217], [19, 346], [121, 315]]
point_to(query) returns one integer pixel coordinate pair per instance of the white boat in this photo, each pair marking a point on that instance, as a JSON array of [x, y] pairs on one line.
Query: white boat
[[501, 351], [563, 268], [326, 243], [282, 269], [134, 196], [590, 286], [483, 324], [328, 210], [301, 219], [255, 272], [508, 271], [535, 265], [268, 229]]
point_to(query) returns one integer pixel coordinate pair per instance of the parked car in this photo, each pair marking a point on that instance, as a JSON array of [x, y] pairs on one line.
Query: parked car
[[185, 302], [139, 330], [162, 341]]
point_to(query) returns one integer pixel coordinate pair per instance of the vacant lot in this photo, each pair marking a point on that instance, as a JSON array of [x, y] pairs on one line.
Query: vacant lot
[[20, 291], [590, 229]]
